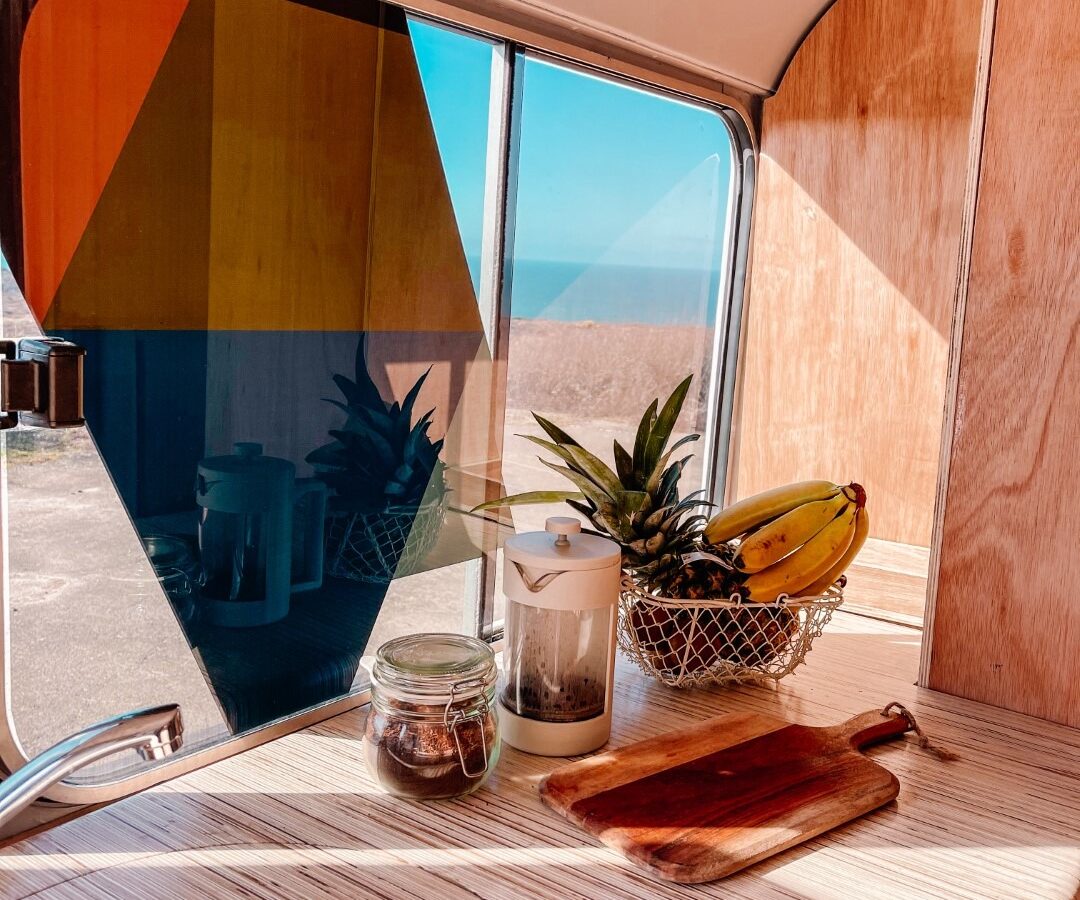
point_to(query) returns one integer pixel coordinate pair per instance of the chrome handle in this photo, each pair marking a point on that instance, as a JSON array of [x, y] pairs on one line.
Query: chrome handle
[[155, 733]]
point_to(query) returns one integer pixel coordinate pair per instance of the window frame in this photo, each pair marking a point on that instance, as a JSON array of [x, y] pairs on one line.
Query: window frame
[[730, 300], [503, 141]]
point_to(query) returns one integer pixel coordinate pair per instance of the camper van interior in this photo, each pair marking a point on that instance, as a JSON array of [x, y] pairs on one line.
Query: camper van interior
[[540, 449]]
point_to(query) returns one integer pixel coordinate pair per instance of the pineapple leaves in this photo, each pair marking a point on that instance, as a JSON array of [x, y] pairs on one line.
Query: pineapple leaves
[[562, 452], [530, 497], [631, 502], [624, 466], [366, 393], [583, 462], [353, 394], [658, 470], [360, 369], [641, 439], [410, 398], [669, 484], [379, 458], [596, 470], [583, 508], [601, 500], [664, 424], [636, 501], [554, 431], [351, 423]]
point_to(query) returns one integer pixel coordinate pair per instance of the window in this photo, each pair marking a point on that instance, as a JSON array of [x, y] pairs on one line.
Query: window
[[624, 204], [518, 232]]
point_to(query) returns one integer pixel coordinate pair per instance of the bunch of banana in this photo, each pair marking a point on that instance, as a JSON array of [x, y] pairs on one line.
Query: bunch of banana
[[796, 539]]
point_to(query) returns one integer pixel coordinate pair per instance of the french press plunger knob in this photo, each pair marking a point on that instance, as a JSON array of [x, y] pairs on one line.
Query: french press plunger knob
[[562, 527]]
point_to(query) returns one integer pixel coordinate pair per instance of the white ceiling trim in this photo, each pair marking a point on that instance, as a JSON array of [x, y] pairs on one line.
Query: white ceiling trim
[[733, 42]]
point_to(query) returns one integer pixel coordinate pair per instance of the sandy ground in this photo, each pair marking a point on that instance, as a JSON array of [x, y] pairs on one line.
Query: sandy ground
[[594, 381], [605, 373]]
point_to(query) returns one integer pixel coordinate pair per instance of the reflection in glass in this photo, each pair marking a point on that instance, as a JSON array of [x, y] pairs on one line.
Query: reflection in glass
[[289, 221], [387, 478], [90, 635]]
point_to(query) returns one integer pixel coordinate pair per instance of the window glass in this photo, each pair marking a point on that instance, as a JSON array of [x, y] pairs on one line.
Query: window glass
[[623, 203], [287, 371], [280, 258]]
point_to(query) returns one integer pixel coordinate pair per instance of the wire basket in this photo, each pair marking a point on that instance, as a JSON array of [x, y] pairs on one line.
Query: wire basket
[[687, 643], [377, 547]]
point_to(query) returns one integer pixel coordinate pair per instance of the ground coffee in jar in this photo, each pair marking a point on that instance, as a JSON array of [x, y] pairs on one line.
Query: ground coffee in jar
[[432, 731]]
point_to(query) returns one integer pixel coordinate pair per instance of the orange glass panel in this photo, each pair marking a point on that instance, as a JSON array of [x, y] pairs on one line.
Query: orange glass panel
[[86, 68]]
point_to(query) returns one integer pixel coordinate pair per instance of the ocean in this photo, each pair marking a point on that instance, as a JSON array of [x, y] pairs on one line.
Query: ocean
[[604, 292]]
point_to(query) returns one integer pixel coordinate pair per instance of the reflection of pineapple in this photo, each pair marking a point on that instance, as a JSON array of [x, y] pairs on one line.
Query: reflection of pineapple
[[388, 481], [638, 504]]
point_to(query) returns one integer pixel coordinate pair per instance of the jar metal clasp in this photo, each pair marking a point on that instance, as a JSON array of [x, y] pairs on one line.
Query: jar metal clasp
[[452, 719]]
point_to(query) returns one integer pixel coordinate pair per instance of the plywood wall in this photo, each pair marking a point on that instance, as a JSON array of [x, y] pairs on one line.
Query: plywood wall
[[330, 215], [1007, 612], [857, 231]]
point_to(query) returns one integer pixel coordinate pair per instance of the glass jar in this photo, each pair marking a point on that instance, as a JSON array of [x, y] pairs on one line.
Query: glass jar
[[432, 731]]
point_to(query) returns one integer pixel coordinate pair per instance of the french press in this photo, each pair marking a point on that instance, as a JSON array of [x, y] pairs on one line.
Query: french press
[[562, 594]]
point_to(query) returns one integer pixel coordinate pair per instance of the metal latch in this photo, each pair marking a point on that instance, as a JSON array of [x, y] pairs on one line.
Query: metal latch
[[41, 383]]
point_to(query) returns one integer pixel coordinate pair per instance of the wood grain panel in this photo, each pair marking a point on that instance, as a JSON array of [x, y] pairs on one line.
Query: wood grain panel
[[301, 817], [858, 222], [330, 207], [331, 215], [418, 276], [1007, 618], [14, 17], [294, 114], [141, 262]]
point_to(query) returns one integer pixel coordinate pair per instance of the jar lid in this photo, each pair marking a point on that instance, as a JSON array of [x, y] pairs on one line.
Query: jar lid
[[561, 547], [167, 550], [434, 667]]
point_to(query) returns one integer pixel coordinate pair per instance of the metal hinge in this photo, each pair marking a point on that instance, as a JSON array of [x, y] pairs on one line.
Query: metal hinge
[[41, 383]]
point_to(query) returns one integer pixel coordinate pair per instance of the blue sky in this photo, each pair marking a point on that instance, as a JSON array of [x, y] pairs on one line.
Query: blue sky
[[597, 161]]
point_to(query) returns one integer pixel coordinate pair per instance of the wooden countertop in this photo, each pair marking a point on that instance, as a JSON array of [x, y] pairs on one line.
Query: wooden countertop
[[300, 818]]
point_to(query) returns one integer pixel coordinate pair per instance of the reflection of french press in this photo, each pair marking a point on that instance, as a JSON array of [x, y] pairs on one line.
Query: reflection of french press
[[260, 535]]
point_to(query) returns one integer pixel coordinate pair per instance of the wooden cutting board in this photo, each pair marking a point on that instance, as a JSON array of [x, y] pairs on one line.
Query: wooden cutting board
[[703, 802]]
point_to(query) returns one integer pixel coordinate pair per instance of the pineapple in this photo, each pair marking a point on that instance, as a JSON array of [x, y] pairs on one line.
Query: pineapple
[[637, 504]]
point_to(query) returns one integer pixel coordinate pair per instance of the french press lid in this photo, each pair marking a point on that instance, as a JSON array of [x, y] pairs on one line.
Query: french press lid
[[561, 547], [244, 481], [247, 461]]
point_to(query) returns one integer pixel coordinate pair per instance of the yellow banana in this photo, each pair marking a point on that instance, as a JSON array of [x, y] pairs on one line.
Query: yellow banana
[[776, 539], [807, 564], [750, 512], [862, 529]]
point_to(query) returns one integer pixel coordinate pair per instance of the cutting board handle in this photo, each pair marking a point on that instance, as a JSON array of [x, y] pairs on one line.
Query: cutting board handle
[[870, 728]]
